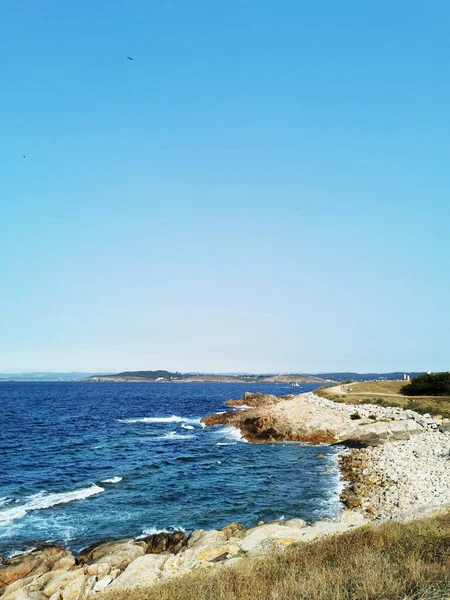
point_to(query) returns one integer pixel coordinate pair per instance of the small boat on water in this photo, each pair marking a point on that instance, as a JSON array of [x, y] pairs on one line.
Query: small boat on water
[[295, 385]]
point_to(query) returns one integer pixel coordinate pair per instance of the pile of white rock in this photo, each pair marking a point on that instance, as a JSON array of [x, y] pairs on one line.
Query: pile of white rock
[[401, 479], [373, 411], [405, 479]]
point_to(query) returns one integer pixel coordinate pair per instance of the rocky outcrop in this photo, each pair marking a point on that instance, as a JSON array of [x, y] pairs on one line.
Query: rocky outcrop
[[308, 418], [35, 563], [257, 399]]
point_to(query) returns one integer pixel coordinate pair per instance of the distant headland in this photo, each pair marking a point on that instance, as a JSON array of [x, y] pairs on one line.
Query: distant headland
[[162, 376]]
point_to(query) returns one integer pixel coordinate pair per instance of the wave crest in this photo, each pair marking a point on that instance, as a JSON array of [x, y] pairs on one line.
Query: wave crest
[[173, 435], [154, 530], [231, 433], [44, 500], [172, 419]]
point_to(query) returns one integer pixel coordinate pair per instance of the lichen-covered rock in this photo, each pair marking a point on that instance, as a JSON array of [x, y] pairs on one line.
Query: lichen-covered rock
[[200, 540], [143, 571], [123, 557], [96, 551]]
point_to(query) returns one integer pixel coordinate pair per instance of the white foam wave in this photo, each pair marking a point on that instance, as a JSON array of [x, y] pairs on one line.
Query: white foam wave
[[231, 433], [4, 501], [46, 500], [173, 435], [154, 530], [19, 552], [112, 480], [172, 419], [183, 426], [226, 443]]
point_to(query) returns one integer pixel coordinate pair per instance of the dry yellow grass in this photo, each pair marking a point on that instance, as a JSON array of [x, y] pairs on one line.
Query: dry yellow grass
[[391, 562], [379, 392], [382, 387]]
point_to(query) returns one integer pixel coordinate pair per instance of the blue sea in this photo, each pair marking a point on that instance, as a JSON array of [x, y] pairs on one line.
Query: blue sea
[[81, 462]]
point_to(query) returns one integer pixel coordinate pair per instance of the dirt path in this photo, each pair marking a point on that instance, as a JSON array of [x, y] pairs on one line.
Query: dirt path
[[341, 390]]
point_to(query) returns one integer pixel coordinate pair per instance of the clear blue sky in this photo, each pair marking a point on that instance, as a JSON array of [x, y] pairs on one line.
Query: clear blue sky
[[266, 187]]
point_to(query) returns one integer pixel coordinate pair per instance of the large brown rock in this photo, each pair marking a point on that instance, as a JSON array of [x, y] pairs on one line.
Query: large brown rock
[[35, 563], [99, 549], [159, 543], [230, 529], [117, 554], [46, 585], [254, 399]]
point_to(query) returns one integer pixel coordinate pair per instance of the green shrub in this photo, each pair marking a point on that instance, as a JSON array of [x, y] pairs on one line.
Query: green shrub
[[437, 384]]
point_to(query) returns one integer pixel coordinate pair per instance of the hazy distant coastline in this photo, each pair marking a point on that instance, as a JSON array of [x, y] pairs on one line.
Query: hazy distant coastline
[[170, 377], [161, 376]]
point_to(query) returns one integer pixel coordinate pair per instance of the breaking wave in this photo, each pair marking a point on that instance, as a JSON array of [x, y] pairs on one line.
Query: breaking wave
[[46, 500], [112, 480], [173, 435], [154, 530], [172, 419], [231, 433]]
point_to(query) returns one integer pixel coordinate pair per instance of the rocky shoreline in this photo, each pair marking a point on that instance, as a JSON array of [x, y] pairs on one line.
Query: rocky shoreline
[[397, 465], [54, 573], [394, 463]]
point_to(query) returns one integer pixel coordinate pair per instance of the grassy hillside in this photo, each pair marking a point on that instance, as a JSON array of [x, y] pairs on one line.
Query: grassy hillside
[[391, 562], [386, 393], [167, 376]]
